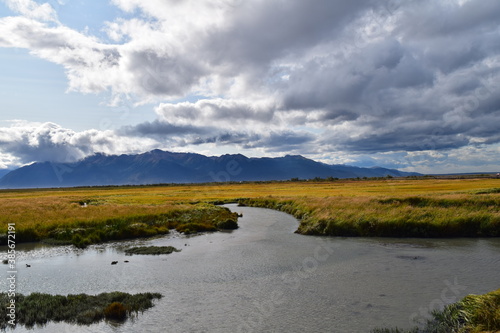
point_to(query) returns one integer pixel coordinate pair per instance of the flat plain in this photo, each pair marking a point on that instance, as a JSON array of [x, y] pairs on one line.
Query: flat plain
[[424, 207]]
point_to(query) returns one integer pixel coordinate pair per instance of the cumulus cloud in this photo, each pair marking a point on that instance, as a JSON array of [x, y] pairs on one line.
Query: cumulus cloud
[[33, 10], [386, 79], [224, 113], [27, 142]]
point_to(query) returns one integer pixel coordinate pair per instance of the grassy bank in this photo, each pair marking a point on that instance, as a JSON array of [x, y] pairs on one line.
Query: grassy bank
[[384, 207], [101, 221], [473, 314], [431, 215], [39, 309]]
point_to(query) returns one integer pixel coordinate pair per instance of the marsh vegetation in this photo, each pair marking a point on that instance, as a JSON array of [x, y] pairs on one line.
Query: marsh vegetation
[[59, 221], [430, 215], [151, 250], [383, 207], [473, 314], [39, 309]]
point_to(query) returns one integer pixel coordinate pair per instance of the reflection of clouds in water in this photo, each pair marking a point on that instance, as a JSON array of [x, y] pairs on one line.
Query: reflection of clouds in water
[[266, 284], [25, 252]]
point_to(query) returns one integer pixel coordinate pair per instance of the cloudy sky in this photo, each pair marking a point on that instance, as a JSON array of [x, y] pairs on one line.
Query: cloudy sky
[[406, 84]]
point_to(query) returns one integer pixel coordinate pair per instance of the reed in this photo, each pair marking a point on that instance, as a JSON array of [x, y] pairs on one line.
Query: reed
[[38, 309], [130, 222], [384, 207], [430, 215], [472, 314]]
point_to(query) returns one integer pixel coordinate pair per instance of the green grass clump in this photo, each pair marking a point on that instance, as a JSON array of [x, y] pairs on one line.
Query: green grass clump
[[473, 314], [229, 224], [151, 250], [489, 191], [39, 309], [481, 313]]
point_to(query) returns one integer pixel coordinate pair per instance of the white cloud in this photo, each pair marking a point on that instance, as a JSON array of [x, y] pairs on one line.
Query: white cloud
[[32, 9], [222, 113], [330, 76], [26, 142]]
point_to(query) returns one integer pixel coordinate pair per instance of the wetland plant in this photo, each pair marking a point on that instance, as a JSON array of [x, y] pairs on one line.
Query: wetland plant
[[187, 219], [151, 250], [473, 314], [39, 309], [115, 311]]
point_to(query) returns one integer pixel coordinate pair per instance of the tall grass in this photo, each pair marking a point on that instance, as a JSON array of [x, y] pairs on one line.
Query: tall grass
[[39, 309], [473, 314], [130, 222], [389, 207], [450, 215]]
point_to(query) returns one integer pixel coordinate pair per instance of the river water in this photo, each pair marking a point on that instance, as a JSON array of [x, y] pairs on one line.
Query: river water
[[264, 278]]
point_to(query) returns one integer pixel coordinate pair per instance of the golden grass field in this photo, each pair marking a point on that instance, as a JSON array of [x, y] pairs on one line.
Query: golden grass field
[[385, 207], [325, 207]]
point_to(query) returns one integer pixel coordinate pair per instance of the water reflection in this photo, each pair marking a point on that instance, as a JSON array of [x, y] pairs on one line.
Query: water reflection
[[263, 278]]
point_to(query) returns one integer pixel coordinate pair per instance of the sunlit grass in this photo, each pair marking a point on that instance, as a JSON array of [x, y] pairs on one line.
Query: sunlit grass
[[389, 207], [91, 219], [429, 215]]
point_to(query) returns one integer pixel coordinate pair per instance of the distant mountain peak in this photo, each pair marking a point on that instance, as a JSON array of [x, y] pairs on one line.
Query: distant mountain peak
[[158, 166]]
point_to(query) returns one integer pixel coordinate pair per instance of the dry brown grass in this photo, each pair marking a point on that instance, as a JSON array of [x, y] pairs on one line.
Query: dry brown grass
[[347, 201]]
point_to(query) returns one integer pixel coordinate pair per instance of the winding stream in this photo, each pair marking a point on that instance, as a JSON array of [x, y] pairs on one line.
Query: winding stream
[[264, 278]]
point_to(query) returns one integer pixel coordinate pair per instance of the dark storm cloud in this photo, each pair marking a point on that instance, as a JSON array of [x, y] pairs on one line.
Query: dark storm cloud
[[161, 128], [159, 73], [282, 141], [428, 19], [217, 111], [165, 132], [261, 32], [226, 138], [377, 77], [316, 77]]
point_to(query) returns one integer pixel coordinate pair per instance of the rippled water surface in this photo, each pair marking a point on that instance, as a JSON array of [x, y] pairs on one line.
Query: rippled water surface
[[264, 278]]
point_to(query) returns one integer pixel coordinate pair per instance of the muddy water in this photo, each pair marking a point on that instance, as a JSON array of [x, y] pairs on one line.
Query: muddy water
[[264, 278]]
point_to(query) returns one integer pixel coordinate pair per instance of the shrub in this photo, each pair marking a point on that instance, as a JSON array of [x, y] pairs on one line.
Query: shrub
[[115, 311], [228, 224]]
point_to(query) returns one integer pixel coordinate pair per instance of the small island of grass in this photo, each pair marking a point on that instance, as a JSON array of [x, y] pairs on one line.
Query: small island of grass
[[39, 309], [151, 250]]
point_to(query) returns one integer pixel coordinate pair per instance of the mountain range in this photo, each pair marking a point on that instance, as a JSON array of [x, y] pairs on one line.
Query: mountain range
[[158, 167]]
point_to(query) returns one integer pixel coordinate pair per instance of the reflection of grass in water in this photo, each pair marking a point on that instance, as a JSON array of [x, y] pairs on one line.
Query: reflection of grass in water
[[39, 309], [473, 314], [152, 250]]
